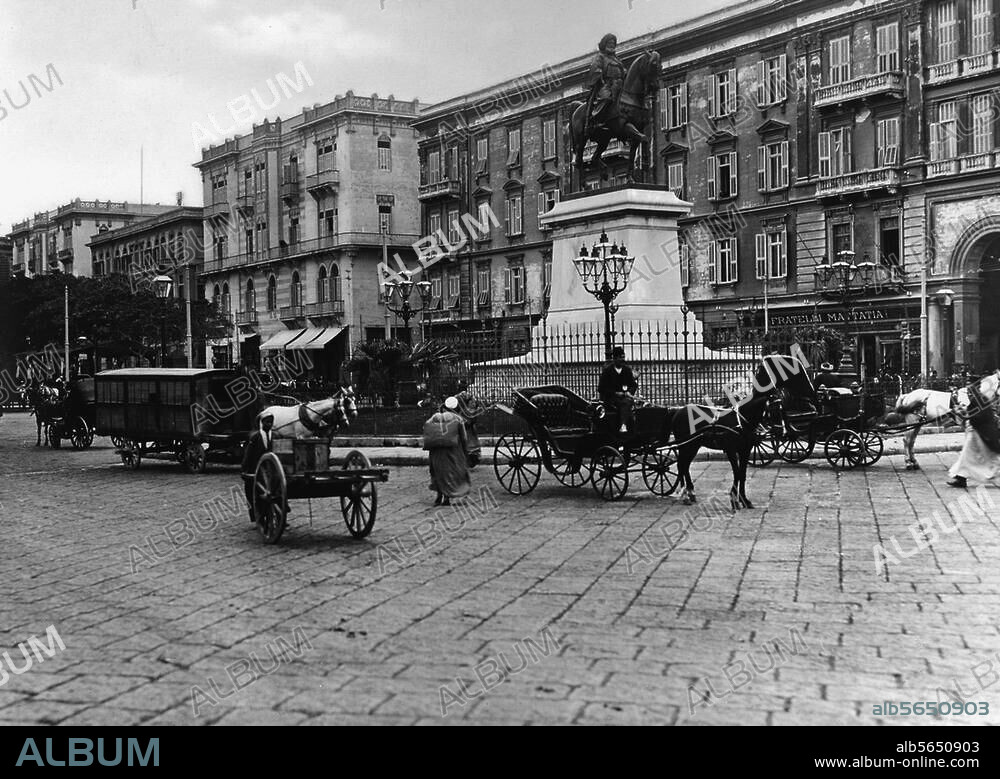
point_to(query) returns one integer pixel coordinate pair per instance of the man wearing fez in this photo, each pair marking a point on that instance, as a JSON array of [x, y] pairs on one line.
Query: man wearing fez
[[605, 81]]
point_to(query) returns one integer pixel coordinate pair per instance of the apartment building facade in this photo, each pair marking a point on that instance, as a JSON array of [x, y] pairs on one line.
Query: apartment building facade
[[298, 215], [830, 151], [57, 240]]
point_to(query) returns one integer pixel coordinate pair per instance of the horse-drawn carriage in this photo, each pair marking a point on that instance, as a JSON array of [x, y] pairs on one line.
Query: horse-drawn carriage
[[187, 415], [575, 441], [843, 420], [66, 416]]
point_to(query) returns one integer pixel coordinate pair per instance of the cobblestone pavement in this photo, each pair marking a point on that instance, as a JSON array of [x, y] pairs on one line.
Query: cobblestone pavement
[[586, 608]]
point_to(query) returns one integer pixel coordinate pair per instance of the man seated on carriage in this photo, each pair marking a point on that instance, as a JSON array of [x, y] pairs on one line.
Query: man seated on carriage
[[617, 388]]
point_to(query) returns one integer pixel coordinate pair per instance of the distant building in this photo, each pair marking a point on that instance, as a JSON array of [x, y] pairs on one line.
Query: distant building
[[296, 215], [168, 244], [6, 259], [57, 239]]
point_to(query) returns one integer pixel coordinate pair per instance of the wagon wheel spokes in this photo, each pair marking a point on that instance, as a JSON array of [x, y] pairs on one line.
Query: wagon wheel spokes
[[844, 449], [762, 448], [270, 505], [517, 463], [360, 505], [571, 473], [873, 447], [797, 446], [659, 471], [610, 473]]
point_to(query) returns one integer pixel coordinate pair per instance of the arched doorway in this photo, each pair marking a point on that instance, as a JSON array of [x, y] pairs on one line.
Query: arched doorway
[[976, 318], [989, 310]]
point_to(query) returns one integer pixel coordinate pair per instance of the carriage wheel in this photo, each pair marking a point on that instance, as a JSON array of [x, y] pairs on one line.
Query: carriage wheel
[[195, 458], [117, 441], [874, 447], [797, 447], [52, 434], [81, 436], [570, 474], [517, 463], [610, 479], [361, 505], [762, 448], [844, 449], [270, 498], [131, 454], [659, 471]]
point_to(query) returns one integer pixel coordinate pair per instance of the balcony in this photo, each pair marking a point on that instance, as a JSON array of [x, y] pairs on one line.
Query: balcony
[[211, 266], [291, 313], [944, 71], [848, 279], [978, 63], [972, 65], [246, 318], [942, 168], [216, 208], [290, 190], [859, 182], [863, 88], [974, 162], [318, 184], [245, 203], [65, 255], [446, 189], [329, 308]]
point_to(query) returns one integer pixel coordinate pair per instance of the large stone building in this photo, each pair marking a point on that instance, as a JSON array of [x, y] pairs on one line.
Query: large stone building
[[58, 239], [298, 215], [6, 259], [169, 244], [831, 151]]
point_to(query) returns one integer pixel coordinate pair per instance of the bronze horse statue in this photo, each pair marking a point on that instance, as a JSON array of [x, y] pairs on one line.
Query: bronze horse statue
[[641, 84], [733, 430]]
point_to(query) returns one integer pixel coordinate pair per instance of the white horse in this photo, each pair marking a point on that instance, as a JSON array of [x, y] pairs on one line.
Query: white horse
[[319, 419], [922, 406]]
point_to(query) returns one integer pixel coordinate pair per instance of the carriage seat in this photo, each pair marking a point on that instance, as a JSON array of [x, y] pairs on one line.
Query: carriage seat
[[558, 416]]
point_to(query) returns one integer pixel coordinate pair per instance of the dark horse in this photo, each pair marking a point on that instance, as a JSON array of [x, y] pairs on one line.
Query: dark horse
[[45, 404], [732, 430], [641, 83]]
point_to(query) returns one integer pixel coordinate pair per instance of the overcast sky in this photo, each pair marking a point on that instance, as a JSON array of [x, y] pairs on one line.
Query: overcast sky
[[143, 73]]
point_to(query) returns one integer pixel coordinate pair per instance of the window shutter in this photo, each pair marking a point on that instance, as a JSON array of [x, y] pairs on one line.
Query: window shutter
[[541, 203], [557, 195], [664, 108], [734, 261], [506, 285], [784, 163], [509, 222], [762, 97], [761, 255], [733, 175], [712, 171], [713, 261], [713, 93], [848, 163], [783, 265], [782, 78], [683, 118], [762, 168], [824, 155], [731, 97], [880, 142]]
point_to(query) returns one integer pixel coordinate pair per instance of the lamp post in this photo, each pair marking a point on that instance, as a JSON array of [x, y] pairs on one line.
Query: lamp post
[[162, 286], [397, 299], [840, 280], [604, 272]]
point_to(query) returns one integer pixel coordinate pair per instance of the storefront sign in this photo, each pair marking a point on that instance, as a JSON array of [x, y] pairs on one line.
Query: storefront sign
[[860, 315]]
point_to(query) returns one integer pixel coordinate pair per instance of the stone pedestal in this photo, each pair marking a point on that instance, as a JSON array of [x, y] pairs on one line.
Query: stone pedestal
[[645, 220]]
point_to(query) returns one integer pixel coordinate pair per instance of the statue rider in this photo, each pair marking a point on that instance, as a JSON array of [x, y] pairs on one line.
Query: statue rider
[[605, 81]]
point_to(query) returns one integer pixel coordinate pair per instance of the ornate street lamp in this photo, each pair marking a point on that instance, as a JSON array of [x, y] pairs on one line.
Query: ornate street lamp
[[604, 273], [397, 298], [161, 287]]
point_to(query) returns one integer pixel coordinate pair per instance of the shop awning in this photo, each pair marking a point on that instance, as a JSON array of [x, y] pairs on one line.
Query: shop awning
[[316, 338], [280, 340]]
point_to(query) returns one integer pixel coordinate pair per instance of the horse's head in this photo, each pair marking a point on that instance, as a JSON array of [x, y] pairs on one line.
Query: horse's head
[[781, 371], [644, 73], [348, 403]]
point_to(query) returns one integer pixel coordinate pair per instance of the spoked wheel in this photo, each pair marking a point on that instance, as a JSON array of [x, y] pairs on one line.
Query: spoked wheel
[[874, 447], [82, 436], [570, 474], [131, 453], [270, 498], [844, 449], [659, 471], [117, 441], [195, 458], [610, 479], [762, 448], [517, 463], [54, 439], [361, 505], [798, 445]]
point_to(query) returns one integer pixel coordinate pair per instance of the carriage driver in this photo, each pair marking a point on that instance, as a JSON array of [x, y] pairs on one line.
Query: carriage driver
[[258, 443], [617, 388]]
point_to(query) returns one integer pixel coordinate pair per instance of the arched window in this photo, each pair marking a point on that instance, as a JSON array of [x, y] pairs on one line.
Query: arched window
[[322, 288], [335, 283], [250, 300], [384, 153], [296, 289], [226, 303], [272, 294], [217, 296]]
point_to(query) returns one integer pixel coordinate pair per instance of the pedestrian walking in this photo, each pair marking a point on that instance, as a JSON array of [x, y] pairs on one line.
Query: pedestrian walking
[[980, 457], [446, 441]]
